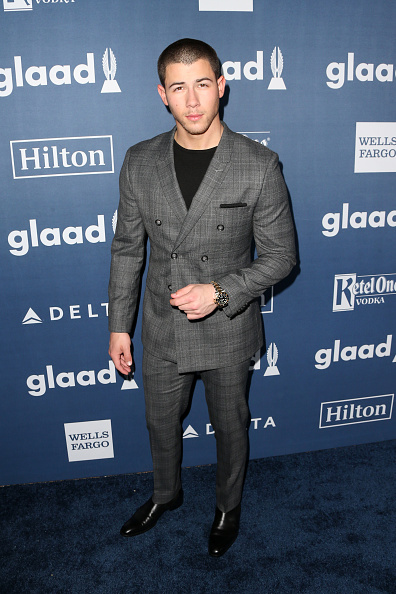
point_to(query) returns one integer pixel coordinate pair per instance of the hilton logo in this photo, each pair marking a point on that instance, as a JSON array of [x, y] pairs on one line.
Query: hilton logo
[[356, 410], [49, 157]]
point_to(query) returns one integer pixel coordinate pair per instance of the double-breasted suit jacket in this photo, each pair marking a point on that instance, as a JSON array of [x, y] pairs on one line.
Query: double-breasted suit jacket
[[242, 196]]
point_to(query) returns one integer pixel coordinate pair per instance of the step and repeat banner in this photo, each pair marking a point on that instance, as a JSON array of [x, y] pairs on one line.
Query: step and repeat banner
[[315, 82]]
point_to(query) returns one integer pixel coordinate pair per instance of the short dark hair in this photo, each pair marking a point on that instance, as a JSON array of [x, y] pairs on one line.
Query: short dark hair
[[187, 51]]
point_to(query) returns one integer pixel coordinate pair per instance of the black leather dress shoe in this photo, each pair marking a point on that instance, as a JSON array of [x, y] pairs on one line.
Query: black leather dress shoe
[[148, 515], [224, 531]]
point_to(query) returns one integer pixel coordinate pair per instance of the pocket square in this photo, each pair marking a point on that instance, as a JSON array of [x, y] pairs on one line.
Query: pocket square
[[233, 205]]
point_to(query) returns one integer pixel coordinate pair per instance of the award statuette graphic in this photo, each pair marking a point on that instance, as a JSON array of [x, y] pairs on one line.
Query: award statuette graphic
[[109, 63], [272, 358], [276, 83]]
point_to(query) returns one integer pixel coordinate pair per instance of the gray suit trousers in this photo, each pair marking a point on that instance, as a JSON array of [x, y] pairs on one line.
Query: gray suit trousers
[[167, 396]]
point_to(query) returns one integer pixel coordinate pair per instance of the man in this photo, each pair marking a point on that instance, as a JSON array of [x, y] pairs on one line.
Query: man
[[200, 193]]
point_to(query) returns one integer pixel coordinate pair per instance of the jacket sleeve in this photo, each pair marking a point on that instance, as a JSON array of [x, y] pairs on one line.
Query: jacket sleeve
[[127, 256], [274, 237]]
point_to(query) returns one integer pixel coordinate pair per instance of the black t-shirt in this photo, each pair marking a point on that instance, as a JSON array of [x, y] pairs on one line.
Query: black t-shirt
[[191, 166]]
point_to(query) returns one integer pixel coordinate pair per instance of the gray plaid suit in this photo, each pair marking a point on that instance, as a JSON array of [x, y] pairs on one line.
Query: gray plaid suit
[[242, 195]]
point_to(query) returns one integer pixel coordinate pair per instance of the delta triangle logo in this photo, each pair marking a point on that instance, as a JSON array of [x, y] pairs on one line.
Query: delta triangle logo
[[17, 5], [31, 318], [189, 433]]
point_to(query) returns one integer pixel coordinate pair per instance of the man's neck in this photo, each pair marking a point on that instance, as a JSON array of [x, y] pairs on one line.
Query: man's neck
[[200, 142]]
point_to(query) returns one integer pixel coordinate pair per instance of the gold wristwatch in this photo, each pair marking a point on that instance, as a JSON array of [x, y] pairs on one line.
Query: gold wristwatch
[[221, 297]]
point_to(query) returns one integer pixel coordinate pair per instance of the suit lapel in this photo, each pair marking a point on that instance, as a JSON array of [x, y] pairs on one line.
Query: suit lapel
[[213, 178], [167, 176]]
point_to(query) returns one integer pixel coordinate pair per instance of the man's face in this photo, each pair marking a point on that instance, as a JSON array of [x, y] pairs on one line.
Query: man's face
[[192, 94]]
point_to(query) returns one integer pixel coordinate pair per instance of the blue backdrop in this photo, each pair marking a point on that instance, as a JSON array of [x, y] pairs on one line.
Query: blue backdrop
[[315, 81]]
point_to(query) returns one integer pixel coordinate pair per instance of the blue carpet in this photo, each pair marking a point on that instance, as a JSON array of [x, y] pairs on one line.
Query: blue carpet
[[318, 522]]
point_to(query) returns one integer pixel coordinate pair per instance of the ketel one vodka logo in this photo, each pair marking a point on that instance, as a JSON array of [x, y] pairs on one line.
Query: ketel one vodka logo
[[277, 82], [17, 5], [109, 64]]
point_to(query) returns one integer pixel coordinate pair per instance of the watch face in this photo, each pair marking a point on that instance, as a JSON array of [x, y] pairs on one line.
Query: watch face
[[222, 299]]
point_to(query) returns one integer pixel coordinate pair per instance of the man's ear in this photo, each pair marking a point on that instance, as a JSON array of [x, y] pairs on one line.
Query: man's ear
[[221, 82], [162, 94]]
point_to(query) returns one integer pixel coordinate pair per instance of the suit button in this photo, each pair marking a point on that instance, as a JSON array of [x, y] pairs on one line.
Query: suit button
[[174, 256], [204, 258], [158, 222], [170, 287], [220, 227]]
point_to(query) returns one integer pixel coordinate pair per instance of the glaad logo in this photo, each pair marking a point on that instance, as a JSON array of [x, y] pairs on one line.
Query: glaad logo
[[277, 68], [54, 157], [38, 384], [17, 5], [73, 312], [109, 64], [356, 410], [324, 357], [90, 440], [351, 290], [226, 5], [82, 74], [254, 70], [260, 137], [375, 147], [50, 236], [272, 358], [332, 222], [364, 72]]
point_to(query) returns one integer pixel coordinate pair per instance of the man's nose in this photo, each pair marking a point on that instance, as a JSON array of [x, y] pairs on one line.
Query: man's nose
[[192, 98]]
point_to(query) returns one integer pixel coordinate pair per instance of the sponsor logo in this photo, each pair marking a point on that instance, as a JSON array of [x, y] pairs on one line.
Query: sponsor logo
[[332, 222], [324, 357], [254, 69], [59, 74], [72, 312], [363, 72], [260, 137], [351, 290], [255, 424], [21, 241], [190, 433], [90, 440], [226, 5], [375, 147], [38, 384], [267, 301], [19, 5], [356, 410], [54, 157]]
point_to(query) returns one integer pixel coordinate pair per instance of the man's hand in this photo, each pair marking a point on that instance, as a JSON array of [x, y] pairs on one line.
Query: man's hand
[[197, 301], [120, 351]]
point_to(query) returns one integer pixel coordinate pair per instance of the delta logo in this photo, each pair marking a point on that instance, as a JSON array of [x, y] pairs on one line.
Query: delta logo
[[19, 72], [38, 384], [72, 312]]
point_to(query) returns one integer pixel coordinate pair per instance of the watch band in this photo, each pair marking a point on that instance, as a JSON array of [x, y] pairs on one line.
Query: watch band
[[221, 297]]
